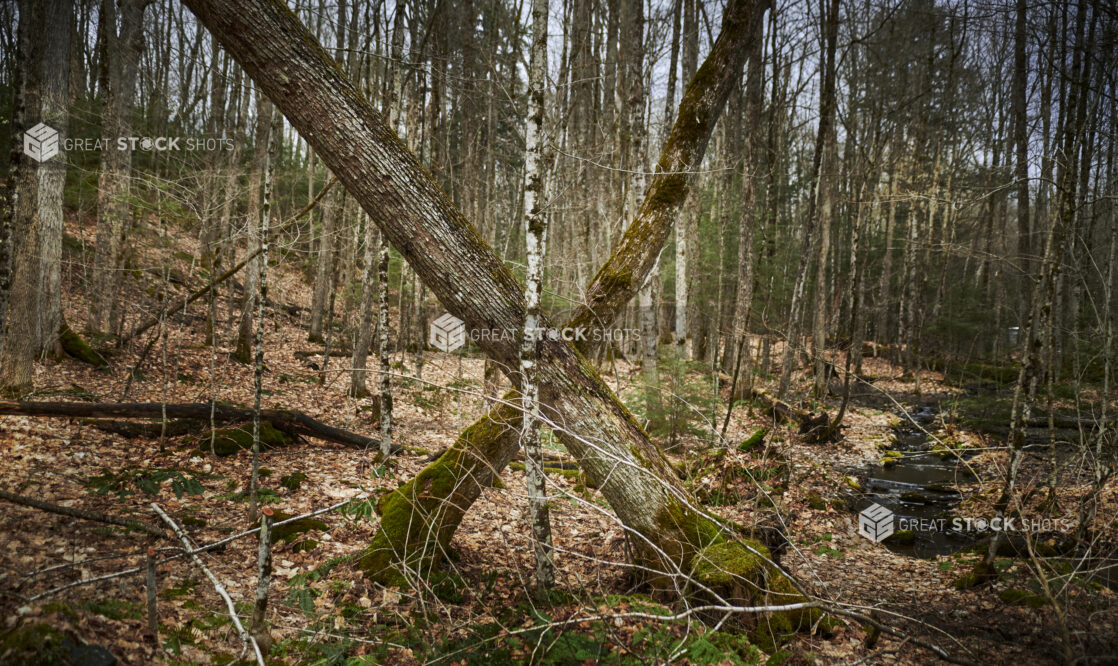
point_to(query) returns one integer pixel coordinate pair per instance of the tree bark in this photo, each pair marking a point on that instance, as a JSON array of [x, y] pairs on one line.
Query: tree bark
[[120, 60], [243, 352], [535, 235]]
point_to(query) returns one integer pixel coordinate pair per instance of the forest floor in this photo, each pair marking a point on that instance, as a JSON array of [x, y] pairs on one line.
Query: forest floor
[[323, 611]]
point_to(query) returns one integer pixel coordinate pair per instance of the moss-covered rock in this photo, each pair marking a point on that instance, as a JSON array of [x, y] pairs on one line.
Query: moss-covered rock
[[291, 531], [293, 481], [228, 441], [754, 441], [815, 501]]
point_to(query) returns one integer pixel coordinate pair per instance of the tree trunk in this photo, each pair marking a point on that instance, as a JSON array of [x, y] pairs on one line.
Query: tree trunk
[[535, 235], [243, 351], [820, 198], [36, 214], [734, 348], [120, 62]]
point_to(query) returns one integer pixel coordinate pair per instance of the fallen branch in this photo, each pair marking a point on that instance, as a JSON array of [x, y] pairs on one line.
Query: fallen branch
[[84, 514], [248, 640], [814, 427], [286, 420]]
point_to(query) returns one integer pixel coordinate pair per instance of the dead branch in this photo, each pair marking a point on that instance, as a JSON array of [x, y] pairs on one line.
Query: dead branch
[[84, 514], [248, 640]]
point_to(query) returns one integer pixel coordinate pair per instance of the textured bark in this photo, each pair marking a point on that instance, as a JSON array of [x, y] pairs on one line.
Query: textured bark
[[22, 227], [120, 60], [36, 215], [535, 236], [55, 90], [385, 358], [670, 535], [364, 337], [262, 297], [750, 168]]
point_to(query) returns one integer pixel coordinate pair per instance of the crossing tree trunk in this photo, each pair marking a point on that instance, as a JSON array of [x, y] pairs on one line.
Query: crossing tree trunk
[[672, 538]]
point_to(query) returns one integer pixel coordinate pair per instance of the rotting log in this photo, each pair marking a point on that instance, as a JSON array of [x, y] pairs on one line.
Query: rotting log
[[672, 537], [289, 421]]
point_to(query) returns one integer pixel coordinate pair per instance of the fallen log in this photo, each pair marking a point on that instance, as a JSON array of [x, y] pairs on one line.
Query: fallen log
[[813, 427], [289, 421]]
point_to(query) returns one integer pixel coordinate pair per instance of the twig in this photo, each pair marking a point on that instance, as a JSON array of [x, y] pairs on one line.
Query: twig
[[248, 640]]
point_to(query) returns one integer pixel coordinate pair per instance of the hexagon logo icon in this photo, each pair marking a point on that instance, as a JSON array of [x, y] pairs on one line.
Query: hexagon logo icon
[[875, 522], [40, 143], [447, 333]]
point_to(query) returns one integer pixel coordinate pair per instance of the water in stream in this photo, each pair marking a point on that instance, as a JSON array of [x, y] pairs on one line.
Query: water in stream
[[919, 487]]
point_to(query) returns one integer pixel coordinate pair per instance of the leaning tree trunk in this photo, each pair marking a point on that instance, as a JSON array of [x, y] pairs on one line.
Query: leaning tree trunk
[[672, 537]]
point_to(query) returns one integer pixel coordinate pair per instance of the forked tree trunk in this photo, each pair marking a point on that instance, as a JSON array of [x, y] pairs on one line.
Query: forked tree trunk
[[672, 538]]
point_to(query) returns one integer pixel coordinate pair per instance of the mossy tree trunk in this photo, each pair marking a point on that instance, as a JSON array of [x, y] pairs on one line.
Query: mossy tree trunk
[[671, 536]]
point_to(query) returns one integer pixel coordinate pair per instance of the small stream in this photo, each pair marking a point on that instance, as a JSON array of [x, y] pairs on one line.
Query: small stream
[[918, 487]]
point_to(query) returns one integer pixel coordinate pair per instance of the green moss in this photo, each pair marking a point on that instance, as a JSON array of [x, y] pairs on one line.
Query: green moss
[[305, 546], [1022, 598], [36, 645], [417, 520], [815, 501], [852, 483], [902, 537], [228, 441], [291, 531], [75, 347], [754, 441], [293, 481]]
